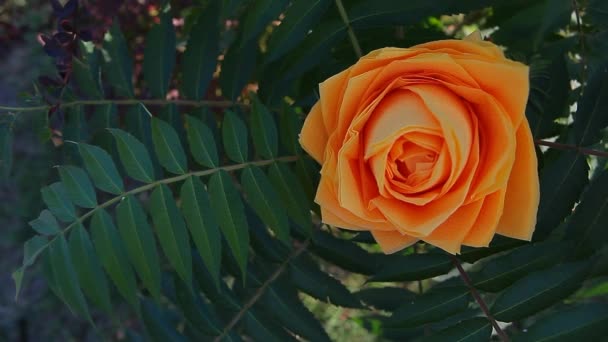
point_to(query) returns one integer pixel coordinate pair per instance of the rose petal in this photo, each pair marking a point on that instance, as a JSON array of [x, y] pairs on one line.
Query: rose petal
[[484, 228], [393, 241], [523, 190], [313, 136], [450, 234]]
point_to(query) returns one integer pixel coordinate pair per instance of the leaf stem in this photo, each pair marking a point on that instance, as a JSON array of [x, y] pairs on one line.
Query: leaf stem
[[465, 278], [351, 33], [150, 186], [191, 103], [582, 150], [261, 290]]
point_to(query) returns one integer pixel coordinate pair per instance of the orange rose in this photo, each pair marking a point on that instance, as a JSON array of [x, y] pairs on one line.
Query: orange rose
[[427, 143]]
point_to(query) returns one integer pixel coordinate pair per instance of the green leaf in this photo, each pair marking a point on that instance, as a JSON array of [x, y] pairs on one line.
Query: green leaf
[[538, 291], [502, 271], [291, 194], [306, 276], [586, 322], [139, 242], [314, 49], [414, 267], [308, 172], [168, 147], [366, 14], [101, 168], [88, 268], [281, 301], [63, 268], [343, 253], [237, 67], [134, 156], [263, 130], [200, 58], [262, 242], [118, 67], [587, 226], [383, 298], [265, 201], [158, 325], [111, 252], [45, 224], [561, 183], [159, 56], [171, 231], [300, 17], [590, 118], [202, 223], [139, 123], [263, 328], [31, 250], [202, 143], [431, 306], [78, 186], [498, 244], [234, 134], [552, 93], [227, 204], [76, 126], [597, 12], [83, 78], [195, 310], [258, 15], [472, 330], [57, 200]]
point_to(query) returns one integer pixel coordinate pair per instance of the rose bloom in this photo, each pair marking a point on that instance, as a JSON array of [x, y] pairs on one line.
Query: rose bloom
[[427, 143]]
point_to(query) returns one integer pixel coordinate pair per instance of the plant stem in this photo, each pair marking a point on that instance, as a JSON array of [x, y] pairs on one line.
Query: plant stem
[[465, 278], [261, 290], [351, 33], [152, 185], [191, 103], [582, 150]]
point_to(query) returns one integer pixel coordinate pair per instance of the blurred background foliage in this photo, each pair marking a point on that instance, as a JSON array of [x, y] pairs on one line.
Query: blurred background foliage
[[327, 284]]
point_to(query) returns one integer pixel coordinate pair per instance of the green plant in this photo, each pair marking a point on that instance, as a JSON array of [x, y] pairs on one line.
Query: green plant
[[199, 210]]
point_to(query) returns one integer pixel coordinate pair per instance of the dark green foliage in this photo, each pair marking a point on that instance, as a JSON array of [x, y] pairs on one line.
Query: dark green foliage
[[208, 228]]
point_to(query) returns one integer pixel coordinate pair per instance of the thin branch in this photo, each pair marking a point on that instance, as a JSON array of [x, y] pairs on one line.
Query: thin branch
[[190, 103], [351, 33], [152, 185], [582, 150], [465, 278], [261, 290]]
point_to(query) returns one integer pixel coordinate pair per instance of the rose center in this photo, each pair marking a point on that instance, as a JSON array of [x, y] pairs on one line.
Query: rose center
[[410, 162]]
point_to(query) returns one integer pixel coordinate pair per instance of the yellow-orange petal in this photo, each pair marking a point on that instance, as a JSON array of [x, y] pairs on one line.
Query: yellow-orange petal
[[518, 219], [313, 136], [485, 227], [450, 234], [513, 97], [399, 111], [393, 241], [331, 93], [455, 121]]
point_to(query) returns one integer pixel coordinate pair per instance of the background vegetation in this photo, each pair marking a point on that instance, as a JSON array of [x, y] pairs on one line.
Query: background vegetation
[[154, 154]]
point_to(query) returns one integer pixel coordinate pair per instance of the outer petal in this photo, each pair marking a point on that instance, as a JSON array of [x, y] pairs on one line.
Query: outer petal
[[313, 136], [393, 241], [507, 82], [523, 191], [450, 234], [485, 227]]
